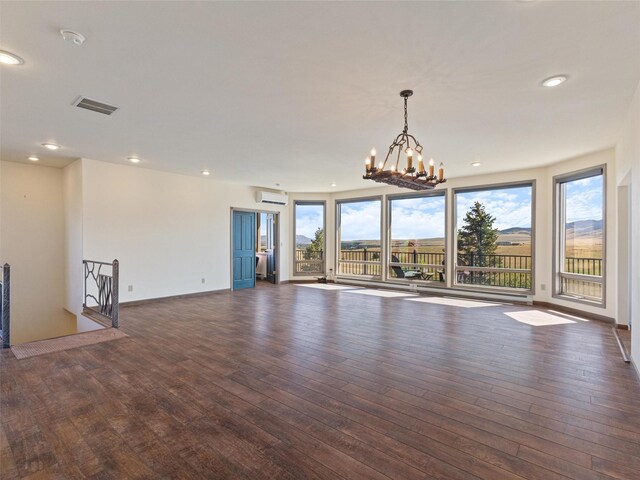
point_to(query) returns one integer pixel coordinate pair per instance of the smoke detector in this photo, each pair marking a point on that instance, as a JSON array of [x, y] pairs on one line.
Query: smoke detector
[[71, 36]]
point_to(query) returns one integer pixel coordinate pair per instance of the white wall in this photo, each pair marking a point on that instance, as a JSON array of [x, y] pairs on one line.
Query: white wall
[[628, 171], [168, 231], [74, 275], [33, 244]]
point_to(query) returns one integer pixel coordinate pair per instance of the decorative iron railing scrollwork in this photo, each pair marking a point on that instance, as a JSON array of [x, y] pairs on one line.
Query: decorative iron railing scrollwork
[[101, 289]]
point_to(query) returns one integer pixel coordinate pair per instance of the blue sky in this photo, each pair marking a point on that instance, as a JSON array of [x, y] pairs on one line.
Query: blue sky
[[308, 219], [510, 206], [584, 199], [424, 217]]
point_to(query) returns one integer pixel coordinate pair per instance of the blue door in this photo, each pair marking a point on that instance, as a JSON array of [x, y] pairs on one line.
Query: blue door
[[244, 250]]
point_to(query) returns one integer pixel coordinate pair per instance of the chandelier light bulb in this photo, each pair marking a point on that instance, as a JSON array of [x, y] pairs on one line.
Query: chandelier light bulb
[[393, 168], [373, 152], [409, 152]]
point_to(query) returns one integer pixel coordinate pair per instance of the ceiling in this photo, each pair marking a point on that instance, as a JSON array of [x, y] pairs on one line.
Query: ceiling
[[297, 93]]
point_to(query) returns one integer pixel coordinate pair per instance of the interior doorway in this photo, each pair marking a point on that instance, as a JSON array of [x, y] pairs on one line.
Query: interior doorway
[[254, 248]]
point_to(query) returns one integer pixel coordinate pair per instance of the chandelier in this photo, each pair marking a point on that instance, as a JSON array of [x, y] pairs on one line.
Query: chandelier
[[409, 176]]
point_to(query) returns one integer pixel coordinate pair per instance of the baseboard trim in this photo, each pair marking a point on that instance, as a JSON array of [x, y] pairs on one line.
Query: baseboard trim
[[623, 351], [575, 311], [144, 301]]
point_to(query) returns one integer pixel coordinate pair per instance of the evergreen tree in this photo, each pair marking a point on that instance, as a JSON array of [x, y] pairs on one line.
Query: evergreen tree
[[315, 248], [477, 238]]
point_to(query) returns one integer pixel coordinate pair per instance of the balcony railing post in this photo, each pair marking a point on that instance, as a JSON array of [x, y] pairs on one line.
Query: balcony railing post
[[6, 306], [365, 259], [115, 303]]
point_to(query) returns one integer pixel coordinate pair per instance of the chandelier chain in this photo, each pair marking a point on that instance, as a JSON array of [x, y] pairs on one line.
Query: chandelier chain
[[406, 117]]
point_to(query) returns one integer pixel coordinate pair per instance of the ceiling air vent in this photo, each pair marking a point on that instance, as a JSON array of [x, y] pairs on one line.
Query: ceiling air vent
[[95, 106]]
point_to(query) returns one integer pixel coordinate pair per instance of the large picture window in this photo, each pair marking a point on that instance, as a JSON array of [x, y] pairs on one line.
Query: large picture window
[[494, 231], [417, 238], [359, 237], [309, 238], [579, 222]]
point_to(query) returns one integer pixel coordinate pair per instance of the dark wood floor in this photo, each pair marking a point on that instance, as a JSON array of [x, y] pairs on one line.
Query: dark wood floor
[[293, 382]]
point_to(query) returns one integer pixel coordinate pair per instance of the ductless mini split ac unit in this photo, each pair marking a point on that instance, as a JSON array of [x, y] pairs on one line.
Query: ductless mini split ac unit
[[272, 198]]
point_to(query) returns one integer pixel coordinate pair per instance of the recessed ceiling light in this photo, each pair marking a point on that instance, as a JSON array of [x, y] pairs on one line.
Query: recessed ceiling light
[[205, 172], [51, 146], [333, 184], [33, 158], [133, 159], [9, 58], [475, 164], [554, 81]]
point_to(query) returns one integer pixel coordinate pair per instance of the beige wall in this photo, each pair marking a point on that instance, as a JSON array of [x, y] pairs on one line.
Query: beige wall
[[33, 244], [73, 213], [628, 175]]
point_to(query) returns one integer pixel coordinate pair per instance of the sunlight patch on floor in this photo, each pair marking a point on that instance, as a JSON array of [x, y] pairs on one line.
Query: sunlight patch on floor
[[326, 286], [453, 302], [384, 293], [538, 318]]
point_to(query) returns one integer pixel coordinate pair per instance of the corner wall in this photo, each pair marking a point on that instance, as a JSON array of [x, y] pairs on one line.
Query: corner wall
[[33, 244], [628, 164]]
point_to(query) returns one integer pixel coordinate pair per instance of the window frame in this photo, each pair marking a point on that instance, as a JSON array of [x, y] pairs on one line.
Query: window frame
[[559, 214], [388, 253], [454, 239], [323, 262], [338, 240]]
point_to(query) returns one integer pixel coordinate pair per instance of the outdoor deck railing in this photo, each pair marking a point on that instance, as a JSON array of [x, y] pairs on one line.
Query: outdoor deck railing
[[497, 270], [101, 281], [309, 261]]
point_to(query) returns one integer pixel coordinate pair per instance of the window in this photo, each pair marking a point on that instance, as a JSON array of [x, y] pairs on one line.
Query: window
[[359, 237], [309, 238], [417, 238], [579, 242], [493, 237]]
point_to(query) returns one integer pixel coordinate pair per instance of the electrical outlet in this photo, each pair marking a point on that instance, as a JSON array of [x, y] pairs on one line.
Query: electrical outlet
[[543, 286], [130, 288], [413, 287], [202, 280]]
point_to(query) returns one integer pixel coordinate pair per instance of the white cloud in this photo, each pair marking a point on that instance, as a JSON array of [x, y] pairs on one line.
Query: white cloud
[[416, 218], [584, 199], [308, 219], [510, 207], [360, 221]]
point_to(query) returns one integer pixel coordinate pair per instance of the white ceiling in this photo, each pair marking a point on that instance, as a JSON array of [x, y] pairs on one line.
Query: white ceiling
[[297, 93]]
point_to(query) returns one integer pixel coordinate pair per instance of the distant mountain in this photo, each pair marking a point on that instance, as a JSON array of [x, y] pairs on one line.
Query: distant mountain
[[518, 230], [303, 240], [584, 228]]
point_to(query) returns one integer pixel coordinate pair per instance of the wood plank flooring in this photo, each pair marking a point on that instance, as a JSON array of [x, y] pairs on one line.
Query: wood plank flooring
[[294, 382]]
